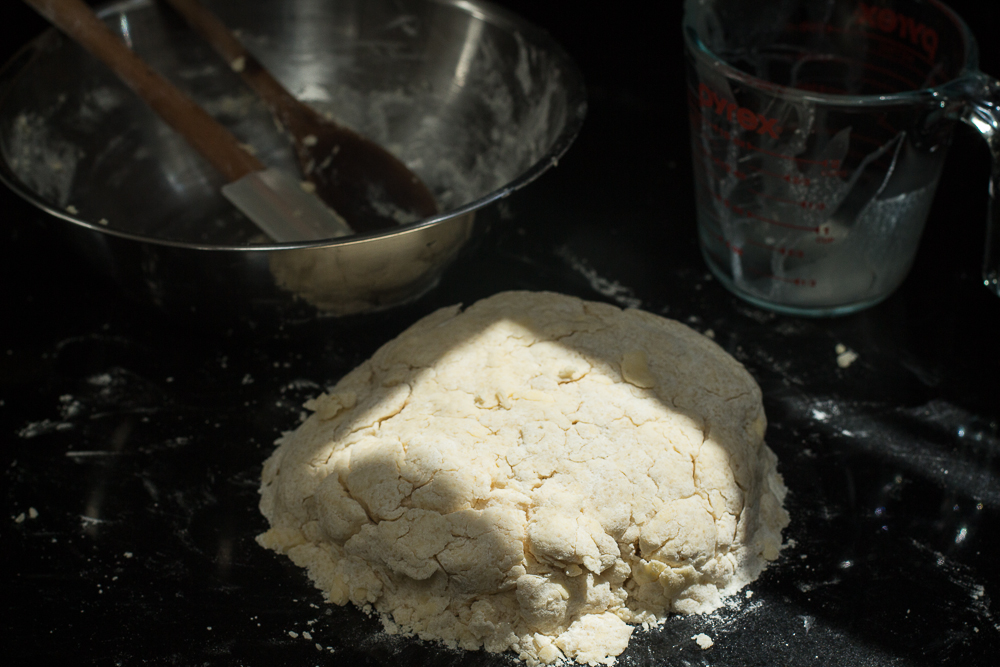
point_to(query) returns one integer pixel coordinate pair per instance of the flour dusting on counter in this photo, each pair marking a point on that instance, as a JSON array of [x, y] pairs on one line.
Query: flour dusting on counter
[[458, 482], [622, 295]]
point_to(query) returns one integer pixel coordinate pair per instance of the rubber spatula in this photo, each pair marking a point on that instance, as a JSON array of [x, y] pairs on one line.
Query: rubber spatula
[[273, 200], [362, 181]]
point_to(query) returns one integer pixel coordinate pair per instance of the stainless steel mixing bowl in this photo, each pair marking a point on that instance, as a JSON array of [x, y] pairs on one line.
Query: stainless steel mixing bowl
[[475, 100]]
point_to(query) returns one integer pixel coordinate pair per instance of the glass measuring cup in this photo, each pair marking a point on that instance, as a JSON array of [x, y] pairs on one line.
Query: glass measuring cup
[[819, 130]]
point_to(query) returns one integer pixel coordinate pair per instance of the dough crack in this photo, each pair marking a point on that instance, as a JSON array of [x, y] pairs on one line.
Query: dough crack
[[535, 473]]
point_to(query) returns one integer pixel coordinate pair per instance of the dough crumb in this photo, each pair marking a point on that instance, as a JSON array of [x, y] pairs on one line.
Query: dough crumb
[[32, 513], [704, 641], [845, 357], [536, 474], [239, 64]]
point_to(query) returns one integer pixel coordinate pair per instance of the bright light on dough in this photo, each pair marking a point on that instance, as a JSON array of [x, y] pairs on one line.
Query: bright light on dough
[[537, 473]]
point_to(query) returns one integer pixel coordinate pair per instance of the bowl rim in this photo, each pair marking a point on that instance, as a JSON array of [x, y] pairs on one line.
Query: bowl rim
[[483, 10]]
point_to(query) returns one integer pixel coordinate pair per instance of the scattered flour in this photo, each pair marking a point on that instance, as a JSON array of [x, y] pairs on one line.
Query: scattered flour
[[43, 427], [623, 296], [458, 482]]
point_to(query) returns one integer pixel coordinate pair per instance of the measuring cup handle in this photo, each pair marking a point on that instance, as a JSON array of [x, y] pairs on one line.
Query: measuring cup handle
[[982, 111]]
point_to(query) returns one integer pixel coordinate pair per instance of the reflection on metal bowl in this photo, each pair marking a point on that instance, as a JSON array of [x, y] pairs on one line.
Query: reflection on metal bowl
[[473, 99]]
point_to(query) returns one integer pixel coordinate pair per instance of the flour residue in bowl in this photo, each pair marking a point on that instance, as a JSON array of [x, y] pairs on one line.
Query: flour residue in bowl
[[469, 114], [43, 162], [462, 150]]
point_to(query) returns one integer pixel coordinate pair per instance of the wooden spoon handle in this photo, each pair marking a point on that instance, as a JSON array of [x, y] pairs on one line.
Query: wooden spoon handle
[[209, 26], [205, 135]]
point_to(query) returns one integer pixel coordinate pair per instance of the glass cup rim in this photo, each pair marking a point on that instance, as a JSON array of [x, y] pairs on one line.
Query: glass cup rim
[[697, 48]]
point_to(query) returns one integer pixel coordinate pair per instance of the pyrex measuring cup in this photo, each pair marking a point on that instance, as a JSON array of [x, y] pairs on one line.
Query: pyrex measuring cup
[[819, 130]]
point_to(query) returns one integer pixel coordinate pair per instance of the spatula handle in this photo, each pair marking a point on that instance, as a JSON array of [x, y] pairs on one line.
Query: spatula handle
[[205, 135], [227, 45]]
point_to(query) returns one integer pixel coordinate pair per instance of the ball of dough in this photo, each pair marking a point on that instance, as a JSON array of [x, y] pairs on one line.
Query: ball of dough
[[536, 473]]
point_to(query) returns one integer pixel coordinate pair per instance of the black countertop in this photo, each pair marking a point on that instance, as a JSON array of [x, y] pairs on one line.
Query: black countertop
[[131, 446]]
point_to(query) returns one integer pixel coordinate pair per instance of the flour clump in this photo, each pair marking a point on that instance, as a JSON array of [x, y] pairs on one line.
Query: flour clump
[[537, 473]]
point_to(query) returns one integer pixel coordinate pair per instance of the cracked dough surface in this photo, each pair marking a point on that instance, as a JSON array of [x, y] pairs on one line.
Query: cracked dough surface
[[536, 473]]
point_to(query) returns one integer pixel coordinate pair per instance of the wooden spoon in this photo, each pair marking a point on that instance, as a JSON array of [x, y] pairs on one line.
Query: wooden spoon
[[268, 197], [364, 183]]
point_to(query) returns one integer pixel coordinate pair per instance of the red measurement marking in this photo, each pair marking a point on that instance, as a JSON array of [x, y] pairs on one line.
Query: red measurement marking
[[723, 165], [790, 252], [788, 178], [780, 249], [735, 248], [807, 205], [798, 282], [739, 210], [741, 143], [831, 168]]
